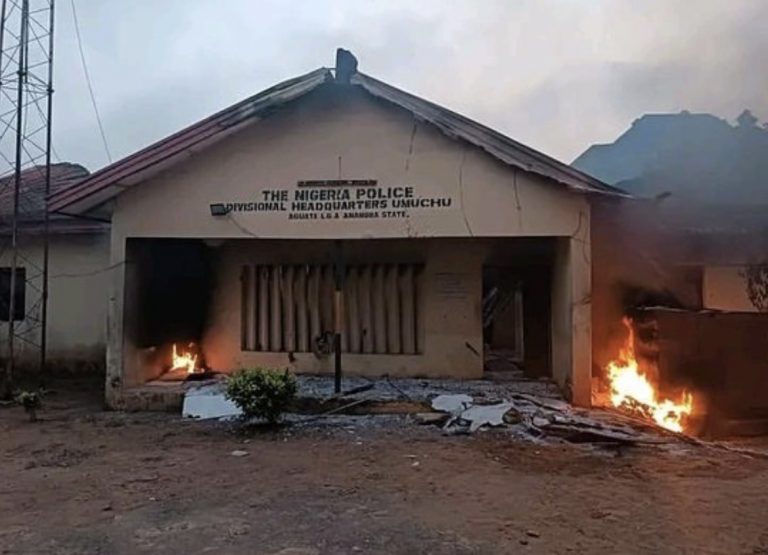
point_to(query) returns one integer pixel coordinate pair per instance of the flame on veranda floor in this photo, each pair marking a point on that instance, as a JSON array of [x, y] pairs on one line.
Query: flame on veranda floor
[[185, 360], [631, 390]]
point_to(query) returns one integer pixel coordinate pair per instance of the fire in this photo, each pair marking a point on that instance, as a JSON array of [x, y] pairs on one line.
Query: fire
[[185, 360], [631, 390]]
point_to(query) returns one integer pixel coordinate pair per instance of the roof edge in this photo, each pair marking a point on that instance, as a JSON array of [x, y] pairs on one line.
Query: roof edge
[[455, 125], [244, 110], [96, 187]]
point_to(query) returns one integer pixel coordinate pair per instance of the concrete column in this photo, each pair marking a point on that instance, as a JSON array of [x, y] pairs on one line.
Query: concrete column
[[571, 318], [115, 382]]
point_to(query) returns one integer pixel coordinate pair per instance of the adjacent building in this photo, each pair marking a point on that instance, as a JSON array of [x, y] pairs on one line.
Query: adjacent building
[[688, 258], [78, 251]]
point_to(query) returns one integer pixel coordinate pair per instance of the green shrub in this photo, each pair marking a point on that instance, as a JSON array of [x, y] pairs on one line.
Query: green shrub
[[262, 392], [31, 401]]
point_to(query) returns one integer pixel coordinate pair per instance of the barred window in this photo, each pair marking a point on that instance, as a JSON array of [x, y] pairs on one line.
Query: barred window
[[290, 308]]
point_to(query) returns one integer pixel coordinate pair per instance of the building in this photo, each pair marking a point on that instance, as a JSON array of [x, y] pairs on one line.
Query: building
[[229, 234], [688, 258], [78, 260]]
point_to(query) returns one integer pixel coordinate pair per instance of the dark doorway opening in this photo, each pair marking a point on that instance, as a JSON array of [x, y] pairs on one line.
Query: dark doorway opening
[[173, 291], [503, 329], [517, 308]]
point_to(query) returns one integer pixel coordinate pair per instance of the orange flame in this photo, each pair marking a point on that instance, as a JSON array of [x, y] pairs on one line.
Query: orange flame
[[185, 360], [631, 390]]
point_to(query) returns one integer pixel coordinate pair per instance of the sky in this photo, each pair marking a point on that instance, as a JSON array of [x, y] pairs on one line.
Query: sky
[[557, 75]]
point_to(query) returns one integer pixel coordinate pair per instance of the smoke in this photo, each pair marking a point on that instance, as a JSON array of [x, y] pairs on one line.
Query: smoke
[[555, 74]]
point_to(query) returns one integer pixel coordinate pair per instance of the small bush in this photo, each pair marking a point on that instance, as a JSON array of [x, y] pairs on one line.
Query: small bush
[[31, 401], [262, 392]]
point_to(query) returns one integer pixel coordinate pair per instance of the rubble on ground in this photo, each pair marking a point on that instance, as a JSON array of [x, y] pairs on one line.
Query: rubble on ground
[[458, 407], [530, 417]]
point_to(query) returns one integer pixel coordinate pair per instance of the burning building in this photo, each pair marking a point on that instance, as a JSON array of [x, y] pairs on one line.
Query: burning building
[[334, 201], [686, 262]]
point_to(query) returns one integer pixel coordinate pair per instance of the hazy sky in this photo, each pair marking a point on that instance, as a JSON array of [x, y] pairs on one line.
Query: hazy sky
[[557, 75]]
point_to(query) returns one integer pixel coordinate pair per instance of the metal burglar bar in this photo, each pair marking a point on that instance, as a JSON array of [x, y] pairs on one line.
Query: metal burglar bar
[[291, 308], [26, 74]]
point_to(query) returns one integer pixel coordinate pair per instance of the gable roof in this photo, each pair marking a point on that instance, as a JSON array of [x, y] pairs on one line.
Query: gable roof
[[103, 185], [494, 143]]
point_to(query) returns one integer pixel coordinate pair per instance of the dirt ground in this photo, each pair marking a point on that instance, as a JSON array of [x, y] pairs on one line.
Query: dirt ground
[[86, 481]]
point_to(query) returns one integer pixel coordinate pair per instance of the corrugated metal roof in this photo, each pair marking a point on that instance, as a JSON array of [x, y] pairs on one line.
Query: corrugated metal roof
[[105, 184], [32, 189], [108, 182], [32, 200]]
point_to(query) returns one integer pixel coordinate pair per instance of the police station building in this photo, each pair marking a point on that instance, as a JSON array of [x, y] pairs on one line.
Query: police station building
[[336, 201]]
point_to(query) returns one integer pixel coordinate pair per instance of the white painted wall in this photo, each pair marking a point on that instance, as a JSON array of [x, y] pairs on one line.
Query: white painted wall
[[348, 135], [449, 320], [77, 309]]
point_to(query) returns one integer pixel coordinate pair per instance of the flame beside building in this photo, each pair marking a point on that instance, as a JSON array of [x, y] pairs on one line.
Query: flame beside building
[[184, 361], [633, 392]]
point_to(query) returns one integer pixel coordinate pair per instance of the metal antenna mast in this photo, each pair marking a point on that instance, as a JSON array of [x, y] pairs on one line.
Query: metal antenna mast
[[26, 90]]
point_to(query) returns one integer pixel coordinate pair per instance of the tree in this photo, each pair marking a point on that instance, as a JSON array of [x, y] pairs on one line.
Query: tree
[[756, 277]]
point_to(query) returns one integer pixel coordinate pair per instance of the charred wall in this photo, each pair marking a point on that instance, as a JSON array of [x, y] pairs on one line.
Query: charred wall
[[634, 264], [172, 295], [721, 357]]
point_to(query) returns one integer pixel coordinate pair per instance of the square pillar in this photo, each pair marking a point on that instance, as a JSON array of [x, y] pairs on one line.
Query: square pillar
[[114, 372], [571, 319]]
